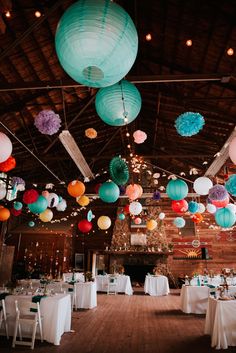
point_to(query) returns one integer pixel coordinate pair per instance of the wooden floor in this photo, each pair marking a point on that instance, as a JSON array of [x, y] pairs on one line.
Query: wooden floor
[[134, 324]]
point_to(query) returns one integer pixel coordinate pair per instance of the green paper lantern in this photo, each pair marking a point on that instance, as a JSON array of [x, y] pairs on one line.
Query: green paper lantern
[[109, 192], [177, 189], [38, 206], [113, 109], [225, 217], [119, 171], [96, 42]]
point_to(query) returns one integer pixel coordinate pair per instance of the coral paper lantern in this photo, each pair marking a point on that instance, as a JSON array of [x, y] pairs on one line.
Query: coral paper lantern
[[4, 214], [104, 222], [6, 147], [109, 192], [30, 196], [202, 185], [151, 224], [119, 104], [8, 165], [46, 216], [180, 206], [177, 189], [232, 150], [220, 203], [85, 226], [225, 217], [139, 136], [137, 220], [135, 208], [133, 191], [76, 188], [91, 133], [83, 200], [96, 42], [38, 206], [197, 218]]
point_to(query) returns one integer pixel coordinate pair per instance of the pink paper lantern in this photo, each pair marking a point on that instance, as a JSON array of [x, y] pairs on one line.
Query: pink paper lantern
[[139, 136], [137, 220], [134, 191], [220, 203]]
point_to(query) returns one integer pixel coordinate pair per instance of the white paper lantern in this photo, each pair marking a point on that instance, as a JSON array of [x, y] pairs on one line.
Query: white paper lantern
[[211, 208], [201, 208], [232, 150], [104, 222], [135, 208], [3, 192], [46, 216], [202, 185], [53, 200], [232, 207], [6, 147], [62, 206], [161, 215]]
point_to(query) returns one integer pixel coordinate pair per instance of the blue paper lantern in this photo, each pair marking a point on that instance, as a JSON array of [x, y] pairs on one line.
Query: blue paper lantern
[[96, 42], [31, 224], [225, 217], [189, 123], [109, 192], [193, 207], [113, 109], [121, 216], [177, 189], [179, 222], [17, 205], [230, 185], [38, 206]]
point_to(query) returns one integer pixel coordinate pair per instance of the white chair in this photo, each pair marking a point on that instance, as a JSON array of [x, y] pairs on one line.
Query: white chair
[[27, 314], [70, 289], [3, 317], [112, 284]]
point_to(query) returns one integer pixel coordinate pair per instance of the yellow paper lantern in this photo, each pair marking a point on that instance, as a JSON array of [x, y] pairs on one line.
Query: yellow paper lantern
[[83, 200], [104, 222], [46, 216], [151, 224]]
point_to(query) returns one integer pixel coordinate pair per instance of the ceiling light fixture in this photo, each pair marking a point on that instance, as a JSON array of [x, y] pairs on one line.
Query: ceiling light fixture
[[8, 14], [37, 14], [148, 37], [230, 52], [72, 148], [189, 42]]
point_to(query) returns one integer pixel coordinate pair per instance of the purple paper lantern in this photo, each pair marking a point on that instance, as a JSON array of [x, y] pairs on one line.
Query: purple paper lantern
[[47, 122]]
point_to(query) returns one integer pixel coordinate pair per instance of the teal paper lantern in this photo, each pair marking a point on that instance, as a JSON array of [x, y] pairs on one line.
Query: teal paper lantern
[[109, 192], [121, 216], [179, 222], [177, 189], [193, 207], [31, 224], [96, 42], [17, 205], [38, 206], [119, 104], [225, 217]]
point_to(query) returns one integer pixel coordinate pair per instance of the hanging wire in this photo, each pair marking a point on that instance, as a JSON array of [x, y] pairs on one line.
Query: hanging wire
[[64, 108]]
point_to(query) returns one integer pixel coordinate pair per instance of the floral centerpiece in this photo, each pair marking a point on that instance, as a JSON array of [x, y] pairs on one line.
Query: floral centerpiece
[[88, 277]]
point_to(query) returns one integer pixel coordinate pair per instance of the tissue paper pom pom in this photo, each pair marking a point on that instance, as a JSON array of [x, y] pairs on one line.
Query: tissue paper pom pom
[[18, 182], [15, 212], [139, 136], [47, 122], [156, 195], [8, 165], [91, 133], [193, 207], [230, 185], [218, 193], [62, 205], [179, 222], [30, 196], [189, 123]]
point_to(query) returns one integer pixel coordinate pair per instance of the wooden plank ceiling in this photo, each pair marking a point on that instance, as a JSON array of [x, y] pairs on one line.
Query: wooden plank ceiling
[[28, 61]]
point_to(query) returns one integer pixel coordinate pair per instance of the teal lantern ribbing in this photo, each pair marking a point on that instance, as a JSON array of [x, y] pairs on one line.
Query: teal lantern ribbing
[[109, 192], [38, 206], [225, 217], [177, 189], [96, 42], [118, 104]]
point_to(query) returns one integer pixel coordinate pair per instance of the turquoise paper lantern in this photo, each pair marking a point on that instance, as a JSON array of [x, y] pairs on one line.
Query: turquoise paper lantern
[[31, 224], [177, 189], [121, 216], [179, 222], [17, 205], [96, 42], [38, 206], [113, 109], [109, 192], [193, 207], [225, 217]]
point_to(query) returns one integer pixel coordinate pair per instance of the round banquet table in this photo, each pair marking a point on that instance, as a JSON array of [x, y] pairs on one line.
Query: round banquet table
[[156, 285]]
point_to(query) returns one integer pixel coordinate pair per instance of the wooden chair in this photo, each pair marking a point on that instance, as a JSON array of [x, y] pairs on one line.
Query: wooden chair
[[27, 314], [112, 284], [3, 317]]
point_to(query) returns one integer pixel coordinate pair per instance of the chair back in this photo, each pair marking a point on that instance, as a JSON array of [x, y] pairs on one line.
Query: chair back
[[25, 307]]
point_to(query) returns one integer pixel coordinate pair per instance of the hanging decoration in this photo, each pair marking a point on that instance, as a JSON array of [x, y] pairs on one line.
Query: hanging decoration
[[15, 212], [230, 184], [76, 188], [46, 216], [4, 214], [180, 206], [121, 216], [62, 206], [211, 208], [96, 42], [134, 191], [189, 124], [126, 209], [201, 208], [232, 150], [45, 193], [193, 207], [225, 218], [139, 136], [8, 165], [52, 199], [177, 189], [104, 222], [30, 196], [109, 192], [151, 224], [231, 207], [47, 122], [6, 147], [137, 220], [17, 205], [218, 193], [90, 215], [197, 218], [18, 184], [96, 188], [161, 215], [31, 224], [3, 192], [91, 133], [156, 195], [202, 185], [85, 226], [179, 222], [119, 171], [118, 105], [220, 203], [38, 206], [83, 200], [135, 208]]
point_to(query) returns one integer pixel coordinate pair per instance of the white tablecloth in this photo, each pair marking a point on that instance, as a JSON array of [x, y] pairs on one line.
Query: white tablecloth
[[56, 313], [194, 299], [156, 285], [78, 276], [123, 284], [221, 323], [85, 295], [215, 281]]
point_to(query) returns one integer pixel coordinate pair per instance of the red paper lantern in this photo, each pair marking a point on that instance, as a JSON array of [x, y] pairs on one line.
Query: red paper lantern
[[30, 196], [220, 203], [126, 209], [180, 206], [8, 165], [197, 218], [15, 212], [85, 226]]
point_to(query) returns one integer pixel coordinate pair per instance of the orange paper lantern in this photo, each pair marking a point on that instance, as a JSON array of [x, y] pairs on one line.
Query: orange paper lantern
[[4, 214], [76, 188], [8, 165], [197, 218]]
